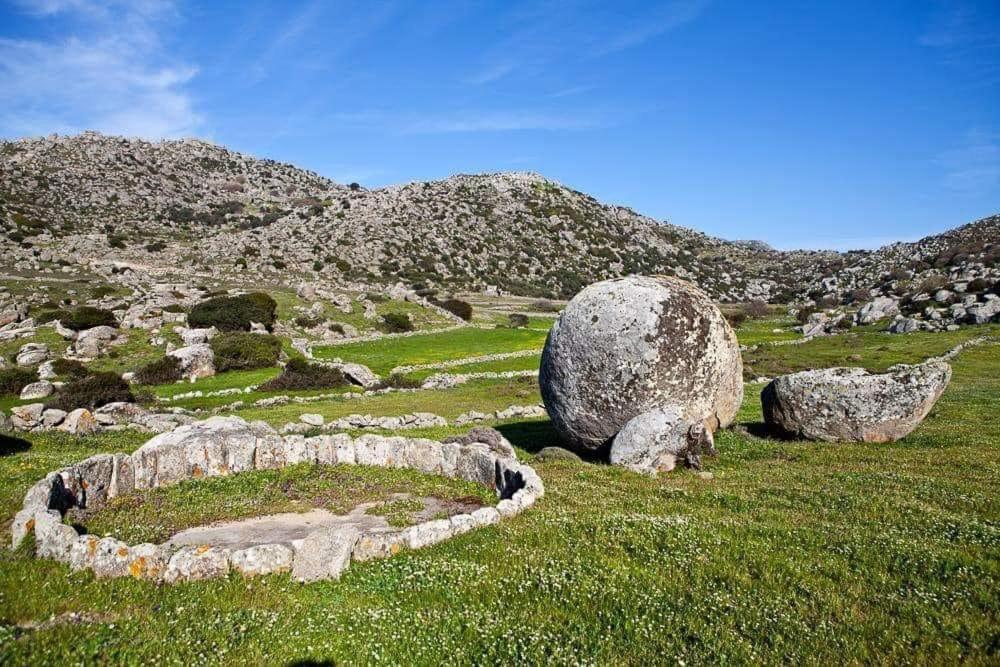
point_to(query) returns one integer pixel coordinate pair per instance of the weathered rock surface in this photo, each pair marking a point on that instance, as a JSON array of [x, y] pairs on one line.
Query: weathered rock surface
[[262, 559], [324, 554], [657, 440], [197, 361], [32, 354], [877, 309], [853, 405], [79, 422], [40, 389], [623, 347], [92, 343]]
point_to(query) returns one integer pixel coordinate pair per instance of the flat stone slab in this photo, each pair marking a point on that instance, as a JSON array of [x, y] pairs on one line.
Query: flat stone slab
[[290, 526]]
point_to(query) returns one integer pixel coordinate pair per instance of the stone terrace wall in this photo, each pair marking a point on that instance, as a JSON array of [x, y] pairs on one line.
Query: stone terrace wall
[[230, 445]]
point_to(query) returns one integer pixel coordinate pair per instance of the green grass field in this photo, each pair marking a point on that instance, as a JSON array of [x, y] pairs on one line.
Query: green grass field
[[791, 552], [382, 355]]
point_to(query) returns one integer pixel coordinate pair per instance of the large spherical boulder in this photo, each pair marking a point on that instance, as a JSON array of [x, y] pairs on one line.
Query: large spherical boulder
[[623, 347]]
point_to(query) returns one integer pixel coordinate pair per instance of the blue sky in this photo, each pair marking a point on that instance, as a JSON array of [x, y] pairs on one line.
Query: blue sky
[[806, 124]]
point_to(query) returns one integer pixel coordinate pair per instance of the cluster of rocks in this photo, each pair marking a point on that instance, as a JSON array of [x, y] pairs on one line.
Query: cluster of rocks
[[226, 446], [81, 421], [310, 421], [510, 412]]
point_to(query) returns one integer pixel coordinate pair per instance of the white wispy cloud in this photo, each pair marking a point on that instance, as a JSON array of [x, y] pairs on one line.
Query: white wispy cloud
[[110, 72], [972, 168], [454, 122]]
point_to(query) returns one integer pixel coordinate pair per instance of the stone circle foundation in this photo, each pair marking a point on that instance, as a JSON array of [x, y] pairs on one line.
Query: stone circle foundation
[[230, 445]]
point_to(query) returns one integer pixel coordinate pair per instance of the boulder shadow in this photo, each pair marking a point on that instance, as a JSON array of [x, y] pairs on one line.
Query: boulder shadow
[[534, 436], [10, 445]]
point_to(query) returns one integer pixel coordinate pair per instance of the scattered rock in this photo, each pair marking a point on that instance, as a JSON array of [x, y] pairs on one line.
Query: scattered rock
[[324, 554], [32, 354], [656, 440], [851, 404], [79, 422], [197, 361], [40, 389]]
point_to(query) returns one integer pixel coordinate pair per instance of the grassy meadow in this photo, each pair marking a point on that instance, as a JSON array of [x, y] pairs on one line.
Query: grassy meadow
[[787, 552]]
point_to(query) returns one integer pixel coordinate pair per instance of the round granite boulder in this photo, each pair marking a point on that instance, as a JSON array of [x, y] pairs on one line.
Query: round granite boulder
[[626, 346]]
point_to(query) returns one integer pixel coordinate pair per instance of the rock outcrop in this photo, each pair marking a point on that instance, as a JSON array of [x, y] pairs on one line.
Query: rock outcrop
[[853, 405]]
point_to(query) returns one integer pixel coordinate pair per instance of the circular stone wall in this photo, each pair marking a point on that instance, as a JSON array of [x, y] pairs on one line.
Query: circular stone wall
[[230, 445], [623, 347]]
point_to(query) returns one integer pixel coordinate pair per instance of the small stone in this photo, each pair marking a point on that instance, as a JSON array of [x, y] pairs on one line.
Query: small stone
[[262, 559], [312, 419], [40, 389], [195, 563], [324, 554]]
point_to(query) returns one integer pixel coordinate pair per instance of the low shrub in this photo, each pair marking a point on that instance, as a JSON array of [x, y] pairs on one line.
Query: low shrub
[[517, 320], [396, 323], [457, 307], [300, 374], [756, 309], [545, 306], [234, 313], [162, 371], [239, 350], [173, 308], [91, 392], [87, 317], [308, 322], [399, 381], [69, 368], [803, 315], [13, 380], [736, 318], [977, 285]]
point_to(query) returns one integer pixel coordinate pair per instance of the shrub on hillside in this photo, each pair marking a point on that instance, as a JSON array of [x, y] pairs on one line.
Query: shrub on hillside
[[162, 371], [861, 295], [399, 381], [300, 374], [69, 368], [13, 380], [91, 392], [234, 313], [517, 320], [803, 315], [239, 350], [396, 323], [756, 309], [977, 285], [87, 317], [736, 318], [457, 307], [545, 306]]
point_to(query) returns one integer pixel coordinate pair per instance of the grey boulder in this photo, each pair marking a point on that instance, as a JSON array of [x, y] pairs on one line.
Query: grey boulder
[[656, 440], [197, 361], [324, 554], [853, 405], [623, 347]]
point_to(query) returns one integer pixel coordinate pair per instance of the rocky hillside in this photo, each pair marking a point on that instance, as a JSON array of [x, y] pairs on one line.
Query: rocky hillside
[[193, 207]]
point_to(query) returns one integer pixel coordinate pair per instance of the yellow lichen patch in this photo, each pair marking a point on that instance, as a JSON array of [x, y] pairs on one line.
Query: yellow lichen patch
[[123, 551], [202, 549], [138, 567]]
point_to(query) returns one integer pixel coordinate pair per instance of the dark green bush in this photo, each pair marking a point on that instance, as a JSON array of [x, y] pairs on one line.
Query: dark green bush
[[173, 308], [234, 313], [399, 381], [307, 322], [736, 318], [517, 320], [977, 285], [161, 371], [91, 392], [238, 350], [156, 246], [300, 374], [13, 380], [69, 368], [803, 315], [458, 307], [87, 317], [396, 323]]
